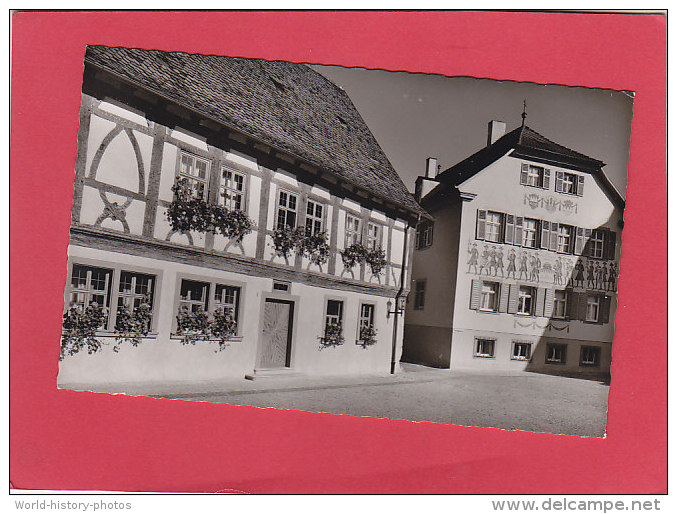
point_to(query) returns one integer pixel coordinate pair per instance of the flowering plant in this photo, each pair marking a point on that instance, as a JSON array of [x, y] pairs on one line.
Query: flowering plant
[[133, 324], [196, 326], [353, 254], [188, 212], [333, 335], [367, 336], [287, 239], [376, 259], [79, 329], [316, 248]]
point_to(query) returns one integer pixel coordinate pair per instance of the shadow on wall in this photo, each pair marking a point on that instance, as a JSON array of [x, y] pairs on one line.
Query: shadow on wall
[[579, 309]]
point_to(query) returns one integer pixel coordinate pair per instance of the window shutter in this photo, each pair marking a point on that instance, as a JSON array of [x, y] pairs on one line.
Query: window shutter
[[475, 294], [512, 298], [554, 229], [610, 242], [546, 178], [604, 309], [519, 221], [579, 189], [509, 228], [582, 306], [540, 301], [578, 247], [523, 174], [503, 303], [545, 234], [572, 304], [549, 302], [481, 222], [558, 181]]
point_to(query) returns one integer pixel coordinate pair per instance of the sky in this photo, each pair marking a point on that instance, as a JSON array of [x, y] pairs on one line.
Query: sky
[[414, 116]]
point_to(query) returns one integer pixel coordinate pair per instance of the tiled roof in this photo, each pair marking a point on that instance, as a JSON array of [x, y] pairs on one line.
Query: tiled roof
[[525, 142], [289, 106]]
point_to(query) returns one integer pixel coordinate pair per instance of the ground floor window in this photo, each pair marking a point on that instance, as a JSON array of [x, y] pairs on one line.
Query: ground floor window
[[419, 294], [590, 356], [521, 351], [91, 285], [556, 353], [484, 347], [202, 303]]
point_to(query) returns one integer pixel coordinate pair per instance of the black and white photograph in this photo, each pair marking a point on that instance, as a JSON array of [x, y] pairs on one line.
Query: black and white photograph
[[346, 241]]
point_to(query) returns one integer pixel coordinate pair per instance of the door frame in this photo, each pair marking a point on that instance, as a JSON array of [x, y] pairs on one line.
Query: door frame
[[293, 301]]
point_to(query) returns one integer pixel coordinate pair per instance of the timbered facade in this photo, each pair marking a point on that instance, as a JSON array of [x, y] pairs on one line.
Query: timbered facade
[[529, 232], [275, 141]]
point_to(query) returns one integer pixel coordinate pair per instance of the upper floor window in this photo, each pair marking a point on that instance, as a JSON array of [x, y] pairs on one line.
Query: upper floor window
[[569, 183], [494, 227], [529, 233], [592, 308], [373, 236], [424, 235], [489, 297], [195, 170], [526, 300], [535, 176], [353, 227], [232, 189], [595, 245], [564, 237], [314, 218], [559, 307], [287, 209]]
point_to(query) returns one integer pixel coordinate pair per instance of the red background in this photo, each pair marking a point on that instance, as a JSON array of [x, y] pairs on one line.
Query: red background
[[69, 440]]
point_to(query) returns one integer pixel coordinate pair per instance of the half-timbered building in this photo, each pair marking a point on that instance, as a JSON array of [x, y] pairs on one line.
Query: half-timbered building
[[274, 141]]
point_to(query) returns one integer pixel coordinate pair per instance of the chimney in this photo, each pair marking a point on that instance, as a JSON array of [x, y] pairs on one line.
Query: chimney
[[496, 131], [427, 183], [431, 168]]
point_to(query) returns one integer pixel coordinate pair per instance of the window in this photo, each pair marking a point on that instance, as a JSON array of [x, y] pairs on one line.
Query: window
[[314, 218], [227, 298], [494, 226], [195, 171], [590, 356], [366, 319], [194, 296], [352, 230], [529, 232], [592, 308], [568, 183], [556, 353], [535, 176], [559, 307], [231, 190], [419, 294], [521, 351], [489, 297], [286, 210], [526, 300], [484, 347], [133, 288], [424, 235], [373, 236], [564, 235], [595, 245], [91, 286], [334, 314]]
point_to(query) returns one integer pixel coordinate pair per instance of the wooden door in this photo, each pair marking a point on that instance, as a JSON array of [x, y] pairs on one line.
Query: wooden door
[[276, 338]]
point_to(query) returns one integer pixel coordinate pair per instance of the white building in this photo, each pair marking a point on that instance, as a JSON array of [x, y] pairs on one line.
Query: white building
[[273, 140], [519, 269]]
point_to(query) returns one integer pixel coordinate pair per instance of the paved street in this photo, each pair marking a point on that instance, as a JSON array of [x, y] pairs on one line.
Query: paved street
[[525, 401]]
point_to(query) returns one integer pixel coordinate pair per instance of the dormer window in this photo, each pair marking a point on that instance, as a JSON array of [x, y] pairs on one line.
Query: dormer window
[[535, 176]]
